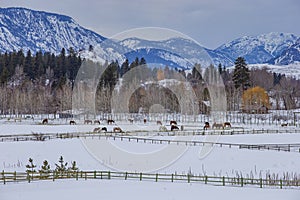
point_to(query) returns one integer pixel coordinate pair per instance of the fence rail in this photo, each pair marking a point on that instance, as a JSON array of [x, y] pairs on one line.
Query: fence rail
[[8, 177]]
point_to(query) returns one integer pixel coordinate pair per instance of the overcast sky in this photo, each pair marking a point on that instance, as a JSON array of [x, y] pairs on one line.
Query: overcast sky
[[210, 22]]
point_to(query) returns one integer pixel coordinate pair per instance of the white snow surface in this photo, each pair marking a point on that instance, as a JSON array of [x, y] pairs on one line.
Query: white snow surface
[[220, 161]]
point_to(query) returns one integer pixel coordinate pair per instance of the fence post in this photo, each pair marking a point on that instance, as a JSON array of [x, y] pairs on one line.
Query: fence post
[[156, 178], [205, 179], [242, 181], [141, 175], [53, 175], [172, 178], [28, 176], [189, 178], [95, 174], [260, 182], [108, 174], [280, 183], [15, 176], [223, 179], [85, 175], [3, 175], [77, 175], [126, 174]]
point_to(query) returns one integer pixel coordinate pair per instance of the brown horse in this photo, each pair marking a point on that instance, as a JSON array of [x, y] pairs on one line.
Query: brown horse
[[217, 126], [131, 121], [97, 122], [206, 126], [45, 121], [117, 130], [174, 128], [72, 122], [226, 124], [158, 123], [97, 130], [110, 121], [173, 122], [87, 121]]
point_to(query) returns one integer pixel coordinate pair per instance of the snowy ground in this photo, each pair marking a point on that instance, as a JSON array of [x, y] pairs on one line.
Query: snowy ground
[[215, 161]]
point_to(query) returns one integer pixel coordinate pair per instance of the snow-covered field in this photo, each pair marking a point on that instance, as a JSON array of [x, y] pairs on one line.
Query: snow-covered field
[[219, 161]]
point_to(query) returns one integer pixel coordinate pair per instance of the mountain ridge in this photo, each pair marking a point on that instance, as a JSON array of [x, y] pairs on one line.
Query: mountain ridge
[[23, 28]]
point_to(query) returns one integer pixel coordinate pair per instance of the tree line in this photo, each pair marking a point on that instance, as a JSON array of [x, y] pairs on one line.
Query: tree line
[[43, 83]]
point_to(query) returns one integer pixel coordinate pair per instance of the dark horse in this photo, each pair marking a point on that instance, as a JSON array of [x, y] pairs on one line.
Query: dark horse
[[158, 123], [117, 130], [72, 122], [145, 121], [206, 126], [173, 122], [110, 121], [45, 121], [174, 128], [96, 122]]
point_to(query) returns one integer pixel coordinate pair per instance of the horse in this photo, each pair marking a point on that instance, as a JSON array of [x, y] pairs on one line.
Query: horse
[[87, 121], [158, 123], [104, 129], [97, 130], [97, 122], [45, 121], [117, 130], [145, 121], [110, 121], [131, 121], [226, 124], [173, 122], [72, 122], [218, 126], [206, 126], [174, 128], [283, 125]]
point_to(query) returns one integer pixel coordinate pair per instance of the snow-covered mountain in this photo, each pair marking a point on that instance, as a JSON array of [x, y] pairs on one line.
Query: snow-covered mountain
[[176, 52], [27, 29], [289, 55], [258, 49]]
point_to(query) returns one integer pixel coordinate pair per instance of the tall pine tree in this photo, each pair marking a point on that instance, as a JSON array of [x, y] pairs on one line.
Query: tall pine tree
[[241, 74]]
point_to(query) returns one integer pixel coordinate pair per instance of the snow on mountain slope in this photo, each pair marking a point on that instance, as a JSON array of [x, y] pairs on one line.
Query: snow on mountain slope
[[290, 55], [27, 29], [258, 49]]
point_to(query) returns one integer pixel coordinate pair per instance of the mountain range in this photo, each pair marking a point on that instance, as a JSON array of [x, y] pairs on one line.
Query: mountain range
[[26, 29]]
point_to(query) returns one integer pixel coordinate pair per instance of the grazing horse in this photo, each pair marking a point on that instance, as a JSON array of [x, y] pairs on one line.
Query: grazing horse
[[173, 122], [87, 121], [97, 130], [206, 126], [96, 122], [282, 125], [218, 126], [174, 128], [131, 121], [117, 130], [104, 129], [158, 123], [110, 121], [72, 122], [45, 121], [226, 124]]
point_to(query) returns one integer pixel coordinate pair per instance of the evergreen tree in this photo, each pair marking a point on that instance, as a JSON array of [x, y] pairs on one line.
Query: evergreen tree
[[61, 168], [124, 67], [73, 169], [45, 169], [241, 74], [31, 167], [220, 68], [4, 76]]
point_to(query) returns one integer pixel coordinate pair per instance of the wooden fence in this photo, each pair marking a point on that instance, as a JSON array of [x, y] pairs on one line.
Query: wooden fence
[[8, 177], [295, 147]]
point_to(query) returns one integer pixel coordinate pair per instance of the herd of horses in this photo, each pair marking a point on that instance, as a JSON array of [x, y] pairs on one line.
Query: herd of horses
[[173, 125]]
